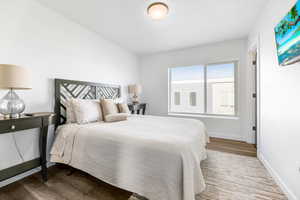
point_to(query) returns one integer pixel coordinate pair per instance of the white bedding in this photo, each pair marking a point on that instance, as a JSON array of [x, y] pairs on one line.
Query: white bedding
[[156, 157]]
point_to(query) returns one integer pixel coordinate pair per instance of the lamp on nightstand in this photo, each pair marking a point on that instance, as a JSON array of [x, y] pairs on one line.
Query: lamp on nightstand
[[13, 77], [135, 90]]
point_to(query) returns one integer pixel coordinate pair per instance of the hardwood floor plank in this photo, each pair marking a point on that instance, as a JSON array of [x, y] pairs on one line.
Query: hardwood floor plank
[[4, 196], [16, 191], [238, 146], [231, 146], [67, 190], [93, 188], [232, 150], [39, 190]]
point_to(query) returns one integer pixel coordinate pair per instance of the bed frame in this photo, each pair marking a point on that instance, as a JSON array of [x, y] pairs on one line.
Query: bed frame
[[67, 89]]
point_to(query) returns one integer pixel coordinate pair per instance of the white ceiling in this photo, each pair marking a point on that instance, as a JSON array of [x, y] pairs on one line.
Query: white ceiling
[[190, 22]]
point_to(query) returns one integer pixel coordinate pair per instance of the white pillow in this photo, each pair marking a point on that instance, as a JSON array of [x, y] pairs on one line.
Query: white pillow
[[70, 115], [118, 100], [87, 111]]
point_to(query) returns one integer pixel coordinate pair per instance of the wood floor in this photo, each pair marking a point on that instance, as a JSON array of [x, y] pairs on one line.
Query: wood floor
[[228, 176], [232, 146]]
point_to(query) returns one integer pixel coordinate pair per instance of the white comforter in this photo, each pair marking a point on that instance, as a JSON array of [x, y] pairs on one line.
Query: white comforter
[[156, 157]]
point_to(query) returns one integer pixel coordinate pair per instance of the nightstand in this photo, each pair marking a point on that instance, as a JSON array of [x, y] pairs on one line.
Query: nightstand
[[136, 108], [35, 120]]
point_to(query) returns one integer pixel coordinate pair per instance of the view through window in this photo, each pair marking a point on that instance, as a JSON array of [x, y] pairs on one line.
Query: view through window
[[203, 89]]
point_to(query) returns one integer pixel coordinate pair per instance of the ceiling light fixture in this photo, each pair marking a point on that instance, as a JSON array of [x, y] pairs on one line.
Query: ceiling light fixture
[[158, 10]]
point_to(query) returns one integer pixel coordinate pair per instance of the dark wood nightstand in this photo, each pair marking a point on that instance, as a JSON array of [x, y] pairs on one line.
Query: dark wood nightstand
[[35, 120], [136, 108]]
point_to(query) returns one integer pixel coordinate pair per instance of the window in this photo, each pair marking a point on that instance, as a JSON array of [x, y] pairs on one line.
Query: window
[[185, 80], [193, 98], [177, 98], [203, 89]]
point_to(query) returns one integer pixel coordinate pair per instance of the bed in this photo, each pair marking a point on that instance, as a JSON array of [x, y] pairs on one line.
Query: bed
[[155, 157]]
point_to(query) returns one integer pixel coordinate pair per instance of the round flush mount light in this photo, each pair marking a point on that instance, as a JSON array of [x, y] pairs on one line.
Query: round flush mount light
[[158, 10]]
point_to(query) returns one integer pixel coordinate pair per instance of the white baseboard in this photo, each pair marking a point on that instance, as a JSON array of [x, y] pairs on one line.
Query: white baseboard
[[23, 175], [225, 136], [276, 177]]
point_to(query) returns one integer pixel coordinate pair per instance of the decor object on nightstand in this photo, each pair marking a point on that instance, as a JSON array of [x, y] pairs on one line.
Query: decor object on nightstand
[[13, 77], [135, 90], [136, 108]]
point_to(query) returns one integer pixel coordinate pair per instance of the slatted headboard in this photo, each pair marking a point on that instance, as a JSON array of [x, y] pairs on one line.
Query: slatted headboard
[[67, 89]]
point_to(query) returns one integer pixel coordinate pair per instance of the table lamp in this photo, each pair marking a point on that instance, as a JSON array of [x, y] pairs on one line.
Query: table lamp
[[135, 90], [12, 78]]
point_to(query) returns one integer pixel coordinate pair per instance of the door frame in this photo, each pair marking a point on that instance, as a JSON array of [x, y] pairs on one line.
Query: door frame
[[255, 47]]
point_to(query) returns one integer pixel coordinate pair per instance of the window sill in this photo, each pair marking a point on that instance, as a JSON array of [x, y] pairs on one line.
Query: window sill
[[203, 116]]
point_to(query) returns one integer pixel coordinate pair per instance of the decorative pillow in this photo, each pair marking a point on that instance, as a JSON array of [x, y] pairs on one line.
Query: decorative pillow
[[123, 108], [116, 117], [87, 111], [108, 107], [70, 115]]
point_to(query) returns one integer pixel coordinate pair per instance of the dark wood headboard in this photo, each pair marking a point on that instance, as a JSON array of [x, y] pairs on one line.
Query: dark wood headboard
[[67, 89]]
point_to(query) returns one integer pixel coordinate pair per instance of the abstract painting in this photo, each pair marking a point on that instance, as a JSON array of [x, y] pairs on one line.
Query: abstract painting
[[287, 34]]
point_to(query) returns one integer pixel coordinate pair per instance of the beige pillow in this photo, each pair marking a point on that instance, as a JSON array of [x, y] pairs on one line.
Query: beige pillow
[[87, 111], [116, 117], [108, 107], [123, 108], [70, 115]]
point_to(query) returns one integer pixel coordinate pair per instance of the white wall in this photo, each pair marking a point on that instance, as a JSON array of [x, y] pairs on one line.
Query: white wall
[[154, 78], [52, 46], [280, 117]]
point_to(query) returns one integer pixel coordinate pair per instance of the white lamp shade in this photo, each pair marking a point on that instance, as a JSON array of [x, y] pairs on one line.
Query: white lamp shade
[[14, 77], [135, 89]]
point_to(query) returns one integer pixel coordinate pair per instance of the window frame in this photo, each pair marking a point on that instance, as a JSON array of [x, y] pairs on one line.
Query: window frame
[[236, 92]]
